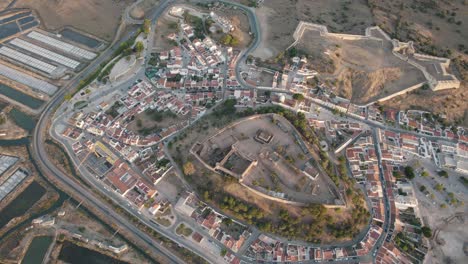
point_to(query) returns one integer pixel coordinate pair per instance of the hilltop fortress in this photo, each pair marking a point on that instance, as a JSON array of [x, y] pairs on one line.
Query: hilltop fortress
[[434, 69]]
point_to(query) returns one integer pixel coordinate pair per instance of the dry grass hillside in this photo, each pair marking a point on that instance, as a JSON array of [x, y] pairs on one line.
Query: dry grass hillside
[[98, 17], [437, 28], [4, 4], [279, 18], [363, 70], [362, 85]]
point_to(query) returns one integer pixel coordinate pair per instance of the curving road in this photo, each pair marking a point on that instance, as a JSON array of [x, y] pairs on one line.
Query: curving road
[[256, 34], [257, 38], [80, 193]]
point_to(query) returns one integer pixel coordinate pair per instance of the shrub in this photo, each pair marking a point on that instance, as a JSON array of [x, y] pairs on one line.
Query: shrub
[[188, 168]]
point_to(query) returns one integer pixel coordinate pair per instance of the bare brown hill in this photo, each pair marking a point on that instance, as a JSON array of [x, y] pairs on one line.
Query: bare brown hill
[[97, 17]]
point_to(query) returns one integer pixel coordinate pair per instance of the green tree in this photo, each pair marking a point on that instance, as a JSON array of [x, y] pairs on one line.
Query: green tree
[[298, 97], [146, 26], [226, 39], [443, 173], [292, 52], [409, 172], [425, 86], [426, 231], [139, 47], [234, 41], [396, 174], [68, 97]]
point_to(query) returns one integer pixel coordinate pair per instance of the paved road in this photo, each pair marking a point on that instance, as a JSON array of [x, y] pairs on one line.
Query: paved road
[[41, 156], [386, 226], [256, 34], [257, 38], [126, 205], [80, 193], [376, 124]]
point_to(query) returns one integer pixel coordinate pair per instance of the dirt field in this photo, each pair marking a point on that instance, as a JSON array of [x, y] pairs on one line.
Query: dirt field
[[278, 20], [171, 187], [166, 25], [140, 10], [97, 17], [363, 70], [9, 129], [448, 224], [144, 122], [240, 21], [4, 4]]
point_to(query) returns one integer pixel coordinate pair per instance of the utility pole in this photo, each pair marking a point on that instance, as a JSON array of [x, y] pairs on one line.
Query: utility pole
[[115, 233], [78, 205]]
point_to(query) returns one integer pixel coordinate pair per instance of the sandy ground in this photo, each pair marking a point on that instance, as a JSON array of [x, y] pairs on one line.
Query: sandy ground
[[281, 36], [349, 18], [98, 17]]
